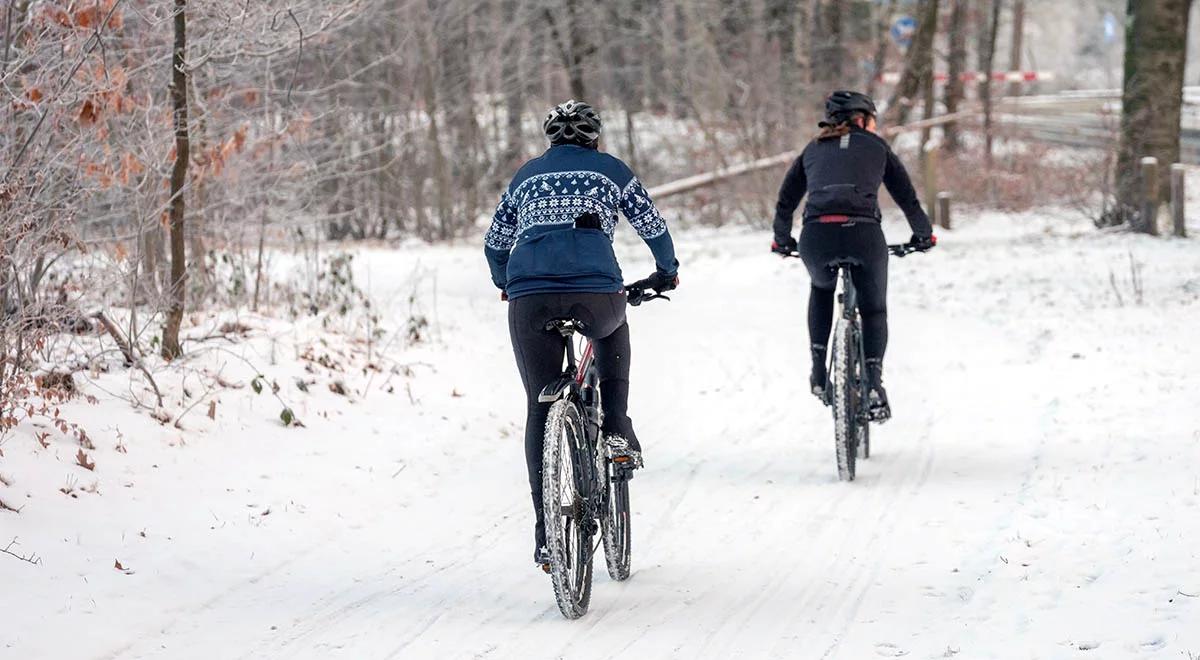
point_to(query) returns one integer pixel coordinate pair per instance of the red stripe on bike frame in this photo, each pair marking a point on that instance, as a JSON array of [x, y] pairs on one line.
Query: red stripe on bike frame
[[585, 361]]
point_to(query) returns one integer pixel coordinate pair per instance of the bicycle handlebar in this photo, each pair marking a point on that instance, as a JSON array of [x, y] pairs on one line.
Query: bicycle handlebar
[[896, 250], [905, 249], [638, 293]]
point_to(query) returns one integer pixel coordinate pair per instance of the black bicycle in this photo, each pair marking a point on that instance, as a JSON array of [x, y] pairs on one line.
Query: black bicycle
[[581, 483], [847, 390]]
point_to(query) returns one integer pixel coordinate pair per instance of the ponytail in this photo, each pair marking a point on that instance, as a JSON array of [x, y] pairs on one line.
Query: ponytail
[[829, 131], [840, 124]]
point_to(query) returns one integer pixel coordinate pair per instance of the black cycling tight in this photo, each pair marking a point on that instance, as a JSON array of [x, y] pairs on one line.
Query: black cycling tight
[[862, 241]]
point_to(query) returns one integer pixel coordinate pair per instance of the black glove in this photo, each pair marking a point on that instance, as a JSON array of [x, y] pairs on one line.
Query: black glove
[[784, 246], [923, 243], [659, 281]]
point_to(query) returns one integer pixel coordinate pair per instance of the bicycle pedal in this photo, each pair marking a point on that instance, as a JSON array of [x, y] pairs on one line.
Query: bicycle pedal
[[622, 472]]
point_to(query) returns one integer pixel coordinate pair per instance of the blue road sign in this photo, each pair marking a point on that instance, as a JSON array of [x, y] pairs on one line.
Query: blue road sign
[[902, 30]]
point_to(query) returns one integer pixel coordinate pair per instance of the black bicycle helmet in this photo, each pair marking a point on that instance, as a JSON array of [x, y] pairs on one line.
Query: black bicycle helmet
[[572, 122], [840, 105]]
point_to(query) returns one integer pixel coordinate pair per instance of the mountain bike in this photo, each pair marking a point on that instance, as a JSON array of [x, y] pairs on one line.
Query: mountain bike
[[581, 484], [847, 390]]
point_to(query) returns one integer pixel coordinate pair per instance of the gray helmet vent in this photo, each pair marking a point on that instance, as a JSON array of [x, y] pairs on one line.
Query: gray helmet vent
[[572, 121]]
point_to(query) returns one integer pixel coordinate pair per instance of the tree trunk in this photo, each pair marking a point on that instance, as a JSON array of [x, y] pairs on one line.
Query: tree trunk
[[625, 70], [829, 52], [1152, 98], [803, 51], [510, 84], [882, 26], [781, 28], [1014, 53], [918, 65], [987, 58], [573, 44], [441, 174], [957, 59], [170, 339], [460, 128]]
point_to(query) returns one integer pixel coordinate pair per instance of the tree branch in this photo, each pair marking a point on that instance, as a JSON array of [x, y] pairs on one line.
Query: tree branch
[[31, 558]]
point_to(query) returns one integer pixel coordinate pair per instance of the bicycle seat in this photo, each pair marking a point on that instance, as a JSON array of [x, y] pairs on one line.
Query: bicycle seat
[[844, 262], [565, 326]]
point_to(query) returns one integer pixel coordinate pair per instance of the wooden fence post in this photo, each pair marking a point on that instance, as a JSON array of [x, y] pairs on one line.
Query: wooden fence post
[[929, 173], [1149, 214], [1177, 199], [943, 209]]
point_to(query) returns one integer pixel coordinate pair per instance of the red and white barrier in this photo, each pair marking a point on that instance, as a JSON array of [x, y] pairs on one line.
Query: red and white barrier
[[892, 77]]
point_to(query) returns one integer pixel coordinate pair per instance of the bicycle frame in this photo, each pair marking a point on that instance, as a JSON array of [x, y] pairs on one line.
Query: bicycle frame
[[573, 384], [847, 297], [571, 381]]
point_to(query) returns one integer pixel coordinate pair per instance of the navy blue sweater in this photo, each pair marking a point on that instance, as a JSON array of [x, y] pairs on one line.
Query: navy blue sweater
[[533, 245]]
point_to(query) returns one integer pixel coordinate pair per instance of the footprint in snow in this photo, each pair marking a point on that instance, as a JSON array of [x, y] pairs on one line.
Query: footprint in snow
[[889, 650], [1154, 644], [1089, 645]]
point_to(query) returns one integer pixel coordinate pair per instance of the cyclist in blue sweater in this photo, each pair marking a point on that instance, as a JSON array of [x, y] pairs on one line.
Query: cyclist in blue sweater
[[550, 252]]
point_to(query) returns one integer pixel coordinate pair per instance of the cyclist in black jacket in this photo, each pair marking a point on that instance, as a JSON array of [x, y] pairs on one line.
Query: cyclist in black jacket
[[841, 171]]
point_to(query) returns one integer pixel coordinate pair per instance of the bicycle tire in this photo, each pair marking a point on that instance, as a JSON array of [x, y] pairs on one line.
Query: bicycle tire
[[863, 440], [616, 525], [615, 519], [862, 436], [568, 521], [845, 412]]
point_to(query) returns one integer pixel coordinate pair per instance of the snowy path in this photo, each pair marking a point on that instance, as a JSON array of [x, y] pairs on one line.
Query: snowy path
[[1036, 496]]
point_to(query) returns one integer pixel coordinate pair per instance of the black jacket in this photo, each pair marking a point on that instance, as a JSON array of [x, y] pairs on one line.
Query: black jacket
[[842, 177]]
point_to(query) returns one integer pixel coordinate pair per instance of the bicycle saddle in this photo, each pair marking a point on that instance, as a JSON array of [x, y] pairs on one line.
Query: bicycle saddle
[[844, 262], [565, 326]]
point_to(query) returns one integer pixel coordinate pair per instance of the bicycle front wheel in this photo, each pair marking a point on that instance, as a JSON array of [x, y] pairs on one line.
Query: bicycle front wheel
[[564, 504], [844, 387]]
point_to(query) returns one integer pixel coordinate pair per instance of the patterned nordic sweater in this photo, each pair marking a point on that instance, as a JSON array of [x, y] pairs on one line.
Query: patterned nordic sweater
[[533, 245]]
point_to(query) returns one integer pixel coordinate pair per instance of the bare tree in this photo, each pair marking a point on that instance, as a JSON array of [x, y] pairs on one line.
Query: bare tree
[[1014, 53], [882, 38], [179, 99], [829, 51], [988, 24], [956, 58], [918, 65], [1151, 99]]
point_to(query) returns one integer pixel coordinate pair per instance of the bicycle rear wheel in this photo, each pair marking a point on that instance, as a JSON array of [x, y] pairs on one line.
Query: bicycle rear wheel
[[844, 387], [616, 524], [568, 522]]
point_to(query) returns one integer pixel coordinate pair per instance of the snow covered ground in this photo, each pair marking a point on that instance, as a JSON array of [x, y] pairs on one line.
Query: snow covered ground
[[1036, 496]]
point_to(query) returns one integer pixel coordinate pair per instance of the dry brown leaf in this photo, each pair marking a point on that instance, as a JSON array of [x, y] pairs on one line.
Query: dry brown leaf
[[83, 461], [212, 409]]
